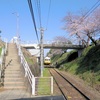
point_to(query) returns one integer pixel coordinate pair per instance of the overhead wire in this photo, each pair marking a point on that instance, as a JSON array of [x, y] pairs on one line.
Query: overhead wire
[[39, 11], [48, 14], [33, 18], [38, 18], [90, 11]]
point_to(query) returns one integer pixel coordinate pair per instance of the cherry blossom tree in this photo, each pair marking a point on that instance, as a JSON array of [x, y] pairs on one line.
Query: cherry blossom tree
[[62, 40], [85, 28], [59, 40]]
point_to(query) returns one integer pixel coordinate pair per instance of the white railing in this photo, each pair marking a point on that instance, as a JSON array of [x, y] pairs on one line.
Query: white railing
[[46, 85], [3, 52], [1, 61], [28, 73], [6, 47], [27, 70]]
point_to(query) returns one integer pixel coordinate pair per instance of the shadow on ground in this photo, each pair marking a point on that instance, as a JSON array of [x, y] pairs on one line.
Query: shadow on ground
[[44, 98]]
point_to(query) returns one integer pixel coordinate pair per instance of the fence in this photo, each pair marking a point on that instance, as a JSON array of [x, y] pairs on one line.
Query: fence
[[1, 62], [44, 85], [35, 82], [3, 52]]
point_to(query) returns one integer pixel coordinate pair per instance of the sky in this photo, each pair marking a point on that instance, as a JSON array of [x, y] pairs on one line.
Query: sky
[[58, 10]]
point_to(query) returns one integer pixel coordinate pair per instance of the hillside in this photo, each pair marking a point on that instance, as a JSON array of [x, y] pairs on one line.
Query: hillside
[[86, 67], [32, 62]]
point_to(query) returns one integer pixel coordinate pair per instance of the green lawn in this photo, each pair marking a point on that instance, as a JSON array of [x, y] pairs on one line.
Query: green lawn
[[87, 66], [44, 83]]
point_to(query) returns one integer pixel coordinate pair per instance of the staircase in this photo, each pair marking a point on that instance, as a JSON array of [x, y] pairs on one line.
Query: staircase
[[12, 76]]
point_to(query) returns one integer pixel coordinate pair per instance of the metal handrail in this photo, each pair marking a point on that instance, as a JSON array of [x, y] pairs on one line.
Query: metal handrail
[[3, 52], [1, 62], [27, 70], [6, 47]]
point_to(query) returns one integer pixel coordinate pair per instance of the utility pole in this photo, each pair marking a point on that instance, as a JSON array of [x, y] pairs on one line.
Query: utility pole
[[41, 50]]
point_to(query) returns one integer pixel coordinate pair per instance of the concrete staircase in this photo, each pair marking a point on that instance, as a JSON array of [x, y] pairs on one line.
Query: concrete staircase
[[13, 76]]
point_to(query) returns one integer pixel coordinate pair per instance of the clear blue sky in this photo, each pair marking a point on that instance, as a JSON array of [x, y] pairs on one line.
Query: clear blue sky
[[58, 10]]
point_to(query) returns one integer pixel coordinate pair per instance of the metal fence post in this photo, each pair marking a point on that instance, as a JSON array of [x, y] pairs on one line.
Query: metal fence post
[[26, 70], [21, 58], [33, 85], [51, 85], [0, 75]]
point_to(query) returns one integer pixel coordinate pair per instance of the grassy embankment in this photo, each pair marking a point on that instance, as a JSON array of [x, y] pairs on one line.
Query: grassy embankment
[[43, 84], [0, 51], [87, 66]]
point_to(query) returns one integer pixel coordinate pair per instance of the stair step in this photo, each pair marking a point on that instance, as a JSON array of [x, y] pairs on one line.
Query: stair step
[[12, 72], [13, 84], [13, 76], [15, 87], [12, 69], [13, 79]]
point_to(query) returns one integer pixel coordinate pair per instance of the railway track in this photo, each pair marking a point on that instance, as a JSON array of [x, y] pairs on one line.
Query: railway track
[[68, 90]]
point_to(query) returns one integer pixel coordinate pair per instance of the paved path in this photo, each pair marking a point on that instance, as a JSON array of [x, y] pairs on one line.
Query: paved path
[[14, 94], [24, 95]]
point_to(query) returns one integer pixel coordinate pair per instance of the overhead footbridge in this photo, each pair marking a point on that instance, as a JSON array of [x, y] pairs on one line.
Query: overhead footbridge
[[53, 46], [63, 46]]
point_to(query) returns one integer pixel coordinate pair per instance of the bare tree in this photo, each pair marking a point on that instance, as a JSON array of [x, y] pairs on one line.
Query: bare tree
[[83, 27]]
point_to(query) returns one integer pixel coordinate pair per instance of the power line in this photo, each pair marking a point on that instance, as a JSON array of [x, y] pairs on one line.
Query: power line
[[89, 12], [92, 9], [48, 13], [38, 3], [33, 18], [39, 11]]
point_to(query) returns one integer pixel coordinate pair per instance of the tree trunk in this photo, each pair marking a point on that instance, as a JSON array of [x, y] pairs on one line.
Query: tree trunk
[[92, 39], [83, 41]]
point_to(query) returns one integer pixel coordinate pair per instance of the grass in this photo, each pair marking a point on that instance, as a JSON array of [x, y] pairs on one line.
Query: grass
[[46, 72], [0, 50], [44, 86], [87, 66], [61, 58], [44, 83], [29, 60]]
